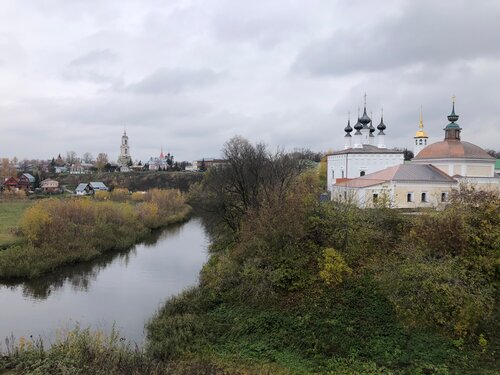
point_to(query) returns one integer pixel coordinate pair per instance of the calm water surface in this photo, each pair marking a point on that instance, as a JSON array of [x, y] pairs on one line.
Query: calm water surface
[[124, 289]]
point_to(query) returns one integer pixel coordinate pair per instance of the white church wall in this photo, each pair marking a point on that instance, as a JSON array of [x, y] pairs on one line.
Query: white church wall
[[352, 165]]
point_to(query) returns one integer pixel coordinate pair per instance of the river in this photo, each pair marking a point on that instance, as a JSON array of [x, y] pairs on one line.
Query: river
[[121, 289]]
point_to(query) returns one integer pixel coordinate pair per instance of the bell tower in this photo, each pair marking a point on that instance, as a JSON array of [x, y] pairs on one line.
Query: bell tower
[[125, 157], [420, 138]]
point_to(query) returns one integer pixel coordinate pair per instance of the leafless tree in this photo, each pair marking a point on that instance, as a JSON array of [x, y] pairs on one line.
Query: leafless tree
[[252, 175], [87, 157], [71, 157], [101, 161]]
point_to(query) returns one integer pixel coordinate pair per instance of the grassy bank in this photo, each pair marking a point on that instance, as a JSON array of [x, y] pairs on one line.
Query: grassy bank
[[60, 232], [92, 353], [299, 287], [10, 216]]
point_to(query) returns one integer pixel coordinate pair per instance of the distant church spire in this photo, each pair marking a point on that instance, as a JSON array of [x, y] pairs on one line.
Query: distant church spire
[[421, 138], [452, 130]]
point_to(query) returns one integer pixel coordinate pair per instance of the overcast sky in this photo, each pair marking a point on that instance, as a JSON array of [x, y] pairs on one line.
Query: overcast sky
[[187, 75]]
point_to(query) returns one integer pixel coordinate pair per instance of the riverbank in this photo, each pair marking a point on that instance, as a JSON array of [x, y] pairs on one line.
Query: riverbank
[[85, 352], [62, 232]]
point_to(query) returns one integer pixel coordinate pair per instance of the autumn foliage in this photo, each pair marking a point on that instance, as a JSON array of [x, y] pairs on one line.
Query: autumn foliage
[[61, 231]]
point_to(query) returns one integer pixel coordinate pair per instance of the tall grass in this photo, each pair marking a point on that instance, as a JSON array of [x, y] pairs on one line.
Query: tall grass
[[82, 351], [67, 231]]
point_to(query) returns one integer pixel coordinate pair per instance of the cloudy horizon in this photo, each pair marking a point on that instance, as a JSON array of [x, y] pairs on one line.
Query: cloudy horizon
[[187, 75]]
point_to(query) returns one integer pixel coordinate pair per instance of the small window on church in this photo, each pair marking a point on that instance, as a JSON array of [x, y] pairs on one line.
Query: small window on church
[[444, 197], [342, 174], [375, 197], [333, 174], [420, 141], [409, 197], [416, 141], [424, 197], [362, 173]]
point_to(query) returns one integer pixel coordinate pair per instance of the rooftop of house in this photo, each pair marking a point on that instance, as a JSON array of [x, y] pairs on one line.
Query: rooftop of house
[[367, 149], [98, 185], [81, 187], [400, 173]]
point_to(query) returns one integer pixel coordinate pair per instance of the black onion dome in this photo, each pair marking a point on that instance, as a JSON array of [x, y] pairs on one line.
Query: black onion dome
[[365, 120], [358, 126], [452, 117], [381, 126], [372, 129], [348, 128]]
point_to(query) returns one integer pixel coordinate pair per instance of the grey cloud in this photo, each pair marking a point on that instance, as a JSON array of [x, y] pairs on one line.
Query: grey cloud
[[267, 23], [426, 32], [95, 56], [95, 66], [175, 80], [91, 76]]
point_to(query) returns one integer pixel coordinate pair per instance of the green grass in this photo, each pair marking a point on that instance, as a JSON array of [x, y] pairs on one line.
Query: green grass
[[10, 215], [353, 329]]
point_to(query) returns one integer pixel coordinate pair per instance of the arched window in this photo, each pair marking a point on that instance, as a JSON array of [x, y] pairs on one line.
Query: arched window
[[362, 173], [420, 141]]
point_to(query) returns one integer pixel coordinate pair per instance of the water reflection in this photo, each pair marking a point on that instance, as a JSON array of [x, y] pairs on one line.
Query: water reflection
[[81, 275], [125, 287]]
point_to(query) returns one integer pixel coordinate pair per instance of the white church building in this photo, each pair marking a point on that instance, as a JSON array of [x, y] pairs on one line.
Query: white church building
[[434, 172], [363, 153]]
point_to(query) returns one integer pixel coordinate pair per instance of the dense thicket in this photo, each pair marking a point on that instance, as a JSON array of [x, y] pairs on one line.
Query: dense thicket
[[304, 286]]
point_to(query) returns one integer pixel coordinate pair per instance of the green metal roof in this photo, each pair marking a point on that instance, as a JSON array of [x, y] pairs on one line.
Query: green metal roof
[[497, 164]]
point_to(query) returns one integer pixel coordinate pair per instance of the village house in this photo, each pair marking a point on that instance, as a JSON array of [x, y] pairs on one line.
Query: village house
[[209, 163], [26, 182], [11, 183], [90, 188], [81, 168], [50, 186]]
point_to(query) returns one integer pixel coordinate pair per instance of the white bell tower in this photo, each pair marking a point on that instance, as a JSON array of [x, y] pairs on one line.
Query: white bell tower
[[420, 139]]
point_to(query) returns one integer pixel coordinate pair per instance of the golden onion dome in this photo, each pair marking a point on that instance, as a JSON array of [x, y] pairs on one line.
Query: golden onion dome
[[421, 134]]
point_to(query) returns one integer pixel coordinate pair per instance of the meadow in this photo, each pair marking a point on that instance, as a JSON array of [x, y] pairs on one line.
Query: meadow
[[11, 213]]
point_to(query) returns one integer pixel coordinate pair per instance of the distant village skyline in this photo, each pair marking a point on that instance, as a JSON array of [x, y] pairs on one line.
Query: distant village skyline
[[189, 75]]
